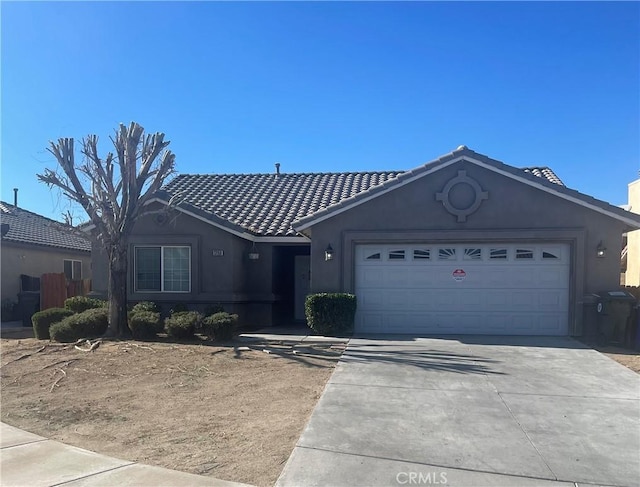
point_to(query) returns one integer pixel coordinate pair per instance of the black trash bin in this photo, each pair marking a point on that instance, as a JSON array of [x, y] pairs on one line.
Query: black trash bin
[[615, 309], [28, 304]]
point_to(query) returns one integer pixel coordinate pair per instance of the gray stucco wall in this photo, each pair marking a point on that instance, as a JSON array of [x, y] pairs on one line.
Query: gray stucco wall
[[34, 261], [512, 212], [241, 285]]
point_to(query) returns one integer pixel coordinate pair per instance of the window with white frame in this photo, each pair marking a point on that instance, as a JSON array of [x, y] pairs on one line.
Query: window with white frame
[[163, 269], [72, 269]]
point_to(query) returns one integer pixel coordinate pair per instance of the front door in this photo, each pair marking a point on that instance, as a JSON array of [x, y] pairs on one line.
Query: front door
[[302, 283]]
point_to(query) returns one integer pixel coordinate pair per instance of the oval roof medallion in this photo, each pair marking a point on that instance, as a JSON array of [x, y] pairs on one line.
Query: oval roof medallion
[[453, 196]]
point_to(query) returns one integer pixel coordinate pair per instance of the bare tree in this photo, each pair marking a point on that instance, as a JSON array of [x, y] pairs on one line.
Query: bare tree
[[113, 191]]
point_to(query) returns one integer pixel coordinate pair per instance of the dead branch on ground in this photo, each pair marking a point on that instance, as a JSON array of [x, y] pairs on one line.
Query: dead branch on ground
[[57, 381], [92, 346], [66, 363], [25, 355]]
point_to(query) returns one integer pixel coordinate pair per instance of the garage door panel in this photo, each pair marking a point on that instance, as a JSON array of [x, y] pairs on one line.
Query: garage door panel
[[551, 276], [553, 300], [371, 300], [465, 294], [396, 299], [370, 276], [397, 276]]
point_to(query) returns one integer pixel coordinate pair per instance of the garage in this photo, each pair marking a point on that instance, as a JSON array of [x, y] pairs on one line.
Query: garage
[[463, 288]]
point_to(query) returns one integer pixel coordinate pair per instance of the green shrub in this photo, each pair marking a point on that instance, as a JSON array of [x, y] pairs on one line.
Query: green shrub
[[213, 309], [182, 324], [88, 324], [144, 324], [78, 304], [145, 306], [331, 313], [179, 308], [42, 320], [220, 325]]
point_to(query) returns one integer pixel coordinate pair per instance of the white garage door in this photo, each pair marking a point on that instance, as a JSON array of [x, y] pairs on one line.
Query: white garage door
[[499, 289]]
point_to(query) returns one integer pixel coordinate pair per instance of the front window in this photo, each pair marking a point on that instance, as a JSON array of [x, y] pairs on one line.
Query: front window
[[163, 269]]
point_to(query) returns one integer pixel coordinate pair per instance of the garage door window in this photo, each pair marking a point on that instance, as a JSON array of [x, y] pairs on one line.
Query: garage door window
[[546, 254], [374, 256], [472, 254], [524, 254], [498, 254], [396, 255], [421, 254], [447, 254]]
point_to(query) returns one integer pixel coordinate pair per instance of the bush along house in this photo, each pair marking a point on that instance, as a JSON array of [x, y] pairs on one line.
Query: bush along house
[[462, 244]]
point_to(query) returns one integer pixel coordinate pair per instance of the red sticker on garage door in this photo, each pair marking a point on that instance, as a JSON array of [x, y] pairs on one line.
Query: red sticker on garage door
[[459, 275]]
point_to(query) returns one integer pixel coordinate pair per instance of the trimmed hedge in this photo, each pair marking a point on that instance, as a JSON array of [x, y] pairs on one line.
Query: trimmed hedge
[[182, 324], [145, 306], [213, 309], [42, 320], [88, 324], [331, 313], [220, 325], [144, 324], [78, 304], [178, 308]]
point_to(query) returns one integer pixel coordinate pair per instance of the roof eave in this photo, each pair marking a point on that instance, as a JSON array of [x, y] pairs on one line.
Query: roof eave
[[227, 226]]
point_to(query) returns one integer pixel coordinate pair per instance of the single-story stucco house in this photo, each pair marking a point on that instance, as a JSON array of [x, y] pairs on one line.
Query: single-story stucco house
[[463, 244], [33, 245]]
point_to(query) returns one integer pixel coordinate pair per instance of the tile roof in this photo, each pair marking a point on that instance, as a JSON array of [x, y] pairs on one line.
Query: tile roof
[[31, 228], [545, 173], [268, 204]]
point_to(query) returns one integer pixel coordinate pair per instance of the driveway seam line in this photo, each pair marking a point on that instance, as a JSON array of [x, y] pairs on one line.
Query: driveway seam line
[[93, 474], [527, 435], [24, 444], [467, 390], [433, 464], [544, 460]]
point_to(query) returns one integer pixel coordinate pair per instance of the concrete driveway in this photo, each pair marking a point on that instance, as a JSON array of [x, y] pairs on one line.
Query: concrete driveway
[[472, 411]]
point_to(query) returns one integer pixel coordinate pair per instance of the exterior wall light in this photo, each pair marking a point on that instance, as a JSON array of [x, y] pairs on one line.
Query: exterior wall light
[[253, 253], [328, 253], [601, 250]]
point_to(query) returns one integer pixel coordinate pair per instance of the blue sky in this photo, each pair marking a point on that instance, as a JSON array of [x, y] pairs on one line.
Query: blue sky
[[326, 86]]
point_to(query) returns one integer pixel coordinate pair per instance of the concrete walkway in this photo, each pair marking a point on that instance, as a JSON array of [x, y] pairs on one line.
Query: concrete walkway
[[472, 411], [33, 461]]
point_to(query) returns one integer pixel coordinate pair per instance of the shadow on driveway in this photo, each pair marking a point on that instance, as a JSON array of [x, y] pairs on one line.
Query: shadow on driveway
[[424, 359]]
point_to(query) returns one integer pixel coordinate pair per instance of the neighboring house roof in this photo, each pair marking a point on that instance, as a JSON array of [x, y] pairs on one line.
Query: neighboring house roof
[[30, 228], [280, 205]]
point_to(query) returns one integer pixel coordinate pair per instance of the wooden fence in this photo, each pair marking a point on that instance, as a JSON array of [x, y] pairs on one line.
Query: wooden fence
[[55, 288]]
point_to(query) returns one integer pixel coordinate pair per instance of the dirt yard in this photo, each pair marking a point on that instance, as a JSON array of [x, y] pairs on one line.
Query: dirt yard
[[626, 357], [230, 412]]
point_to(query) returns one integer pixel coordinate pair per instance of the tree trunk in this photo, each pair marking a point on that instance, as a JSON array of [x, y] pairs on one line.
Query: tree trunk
[[118, 291]]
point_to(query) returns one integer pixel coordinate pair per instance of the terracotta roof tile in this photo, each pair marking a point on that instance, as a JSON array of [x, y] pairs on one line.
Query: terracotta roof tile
[[545, 173], [267, 204]]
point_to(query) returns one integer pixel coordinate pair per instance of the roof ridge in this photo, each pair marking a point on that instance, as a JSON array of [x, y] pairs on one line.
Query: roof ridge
[[293, 173]]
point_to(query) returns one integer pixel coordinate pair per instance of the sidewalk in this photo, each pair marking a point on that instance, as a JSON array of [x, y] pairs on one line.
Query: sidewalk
[[33, 461]]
